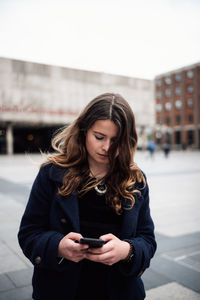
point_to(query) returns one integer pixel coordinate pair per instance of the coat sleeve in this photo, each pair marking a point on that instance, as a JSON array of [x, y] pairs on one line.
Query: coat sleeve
[[38, 243], [144, 242]]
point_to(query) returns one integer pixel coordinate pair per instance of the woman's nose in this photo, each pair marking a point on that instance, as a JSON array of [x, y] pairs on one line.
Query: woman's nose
[[106, 145]]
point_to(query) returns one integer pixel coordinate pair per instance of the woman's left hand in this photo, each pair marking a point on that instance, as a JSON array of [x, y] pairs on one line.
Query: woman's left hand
[[110, 253]]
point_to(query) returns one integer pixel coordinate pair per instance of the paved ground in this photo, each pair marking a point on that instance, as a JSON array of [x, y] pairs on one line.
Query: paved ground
[[175, 206]]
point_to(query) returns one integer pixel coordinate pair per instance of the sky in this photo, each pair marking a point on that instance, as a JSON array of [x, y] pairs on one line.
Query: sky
[[135, 38]]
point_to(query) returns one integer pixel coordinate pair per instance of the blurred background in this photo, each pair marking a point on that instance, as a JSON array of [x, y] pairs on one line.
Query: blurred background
[[55, 56]]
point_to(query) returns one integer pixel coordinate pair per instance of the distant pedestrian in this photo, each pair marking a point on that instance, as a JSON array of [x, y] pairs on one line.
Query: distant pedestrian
[[151, 148], [166, 149], [184, 146], [90, 187]]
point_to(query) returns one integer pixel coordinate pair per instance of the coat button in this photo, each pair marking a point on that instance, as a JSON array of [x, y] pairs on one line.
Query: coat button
[[63, 221], [38, 260]]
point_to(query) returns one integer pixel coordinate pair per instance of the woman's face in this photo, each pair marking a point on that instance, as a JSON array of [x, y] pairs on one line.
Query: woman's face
[[98, 141]]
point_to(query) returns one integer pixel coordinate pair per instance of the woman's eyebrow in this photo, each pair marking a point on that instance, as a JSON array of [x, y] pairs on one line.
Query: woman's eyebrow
[[97, 132]]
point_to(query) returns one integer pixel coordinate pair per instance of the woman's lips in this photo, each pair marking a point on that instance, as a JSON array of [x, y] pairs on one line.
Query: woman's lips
[[103, 155]]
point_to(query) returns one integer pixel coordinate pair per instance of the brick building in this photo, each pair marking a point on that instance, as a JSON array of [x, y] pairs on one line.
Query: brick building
[[177, 97]]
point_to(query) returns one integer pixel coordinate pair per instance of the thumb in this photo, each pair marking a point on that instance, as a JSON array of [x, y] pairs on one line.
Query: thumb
[[107, 237], [74, 236]]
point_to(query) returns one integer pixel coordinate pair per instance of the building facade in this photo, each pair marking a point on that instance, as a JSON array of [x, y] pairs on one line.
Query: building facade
[[177, 97], [37, 99]]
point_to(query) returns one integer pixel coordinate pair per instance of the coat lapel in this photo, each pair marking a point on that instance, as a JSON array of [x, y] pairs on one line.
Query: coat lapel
[[69, 206]]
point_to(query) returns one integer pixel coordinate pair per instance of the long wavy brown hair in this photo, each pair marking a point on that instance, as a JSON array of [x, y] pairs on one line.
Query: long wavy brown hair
[[71, 153]]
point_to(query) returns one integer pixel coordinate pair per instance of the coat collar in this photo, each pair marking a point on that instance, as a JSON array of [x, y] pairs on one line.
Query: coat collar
[[56, 173]]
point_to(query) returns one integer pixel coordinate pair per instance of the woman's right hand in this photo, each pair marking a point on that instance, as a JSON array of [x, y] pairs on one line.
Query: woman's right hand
[[70, 250]]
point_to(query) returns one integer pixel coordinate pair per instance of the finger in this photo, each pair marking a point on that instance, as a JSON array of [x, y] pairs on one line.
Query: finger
[[78, 258], [108, 262], [74, 236], [97, 257], [84, 249], [107, 237], [75, 256], [80, 247], [93, 257], [99, 250]]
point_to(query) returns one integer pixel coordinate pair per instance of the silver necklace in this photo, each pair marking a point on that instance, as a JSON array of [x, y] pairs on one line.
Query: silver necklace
[[101, 188]]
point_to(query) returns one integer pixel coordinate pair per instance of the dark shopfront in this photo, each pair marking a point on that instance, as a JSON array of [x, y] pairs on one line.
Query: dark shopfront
[[29, 139]]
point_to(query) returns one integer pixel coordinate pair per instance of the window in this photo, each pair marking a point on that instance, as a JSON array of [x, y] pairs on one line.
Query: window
[[178, 137], [190, 74], [178, 91], [167, 93], [190, 102], [158, 94], [168, 106], [168, 80], [190, 88], [178, 119], [178, 77], [167, 121], [178, 104], [158, 82], [158, 107], [190, 137], [190, 118], [158, 121]]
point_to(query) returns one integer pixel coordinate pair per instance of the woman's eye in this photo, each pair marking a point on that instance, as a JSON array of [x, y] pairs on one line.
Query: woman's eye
[[98, 137]]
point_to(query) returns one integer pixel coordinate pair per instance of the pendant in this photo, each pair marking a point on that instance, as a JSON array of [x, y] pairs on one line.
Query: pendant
[[101, 189]]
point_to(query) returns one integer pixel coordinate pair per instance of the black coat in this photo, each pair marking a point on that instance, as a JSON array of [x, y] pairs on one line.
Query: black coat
[[48, 217]]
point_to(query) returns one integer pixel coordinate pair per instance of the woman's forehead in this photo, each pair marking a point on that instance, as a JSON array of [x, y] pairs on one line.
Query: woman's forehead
[[105, 127]]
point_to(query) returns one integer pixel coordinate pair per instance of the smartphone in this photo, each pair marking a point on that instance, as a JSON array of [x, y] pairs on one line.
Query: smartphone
[[92, 243]]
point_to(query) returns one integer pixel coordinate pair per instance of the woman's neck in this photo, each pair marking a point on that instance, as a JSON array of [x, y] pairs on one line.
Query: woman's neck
[[97, 170]]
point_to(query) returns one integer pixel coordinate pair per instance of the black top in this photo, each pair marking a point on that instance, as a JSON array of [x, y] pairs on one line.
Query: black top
[[96, 218]]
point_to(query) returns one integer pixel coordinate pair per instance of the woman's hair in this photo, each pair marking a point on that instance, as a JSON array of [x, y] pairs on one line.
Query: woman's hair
[[71, 153]]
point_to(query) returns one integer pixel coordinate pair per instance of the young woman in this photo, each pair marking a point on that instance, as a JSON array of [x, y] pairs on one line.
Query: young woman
[[90, 187]]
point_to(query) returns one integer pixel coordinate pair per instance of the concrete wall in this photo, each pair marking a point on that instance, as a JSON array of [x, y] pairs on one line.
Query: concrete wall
[[44, 94], [50, 94]]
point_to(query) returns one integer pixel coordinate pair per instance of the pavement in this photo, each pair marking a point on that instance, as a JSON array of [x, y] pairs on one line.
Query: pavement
[[174, 184]]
